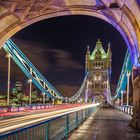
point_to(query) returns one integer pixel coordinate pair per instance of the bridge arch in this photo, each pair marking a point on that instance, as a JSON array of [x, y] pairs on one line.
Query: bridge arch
[[124, 19]]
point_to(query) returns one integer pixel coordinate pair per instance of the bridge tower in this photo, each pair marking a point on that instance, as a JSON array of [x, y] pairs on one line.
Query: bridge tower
[[98, 66]]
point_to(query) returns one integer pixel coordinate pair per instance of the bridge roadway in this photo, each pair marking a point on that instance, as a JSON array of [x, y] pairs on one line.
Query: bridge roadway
[[106, 123], [15, 123]]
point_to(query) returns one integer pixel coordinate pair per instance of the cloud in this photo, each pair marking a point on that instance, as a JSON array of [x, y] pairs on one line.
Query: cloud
[[47, 58], [35, 53], [62, 60]]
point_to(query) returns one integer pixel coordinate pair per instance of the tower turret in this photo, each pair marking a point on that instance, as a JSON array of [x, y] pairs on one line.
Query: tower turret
[[109, 60], [98, 66], [87, 57], [109, 53]]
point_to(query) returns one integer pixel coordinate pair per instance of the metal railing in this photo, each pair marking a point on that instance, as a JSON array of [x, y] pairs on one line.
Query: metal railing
[[126, 109], [55, 128]]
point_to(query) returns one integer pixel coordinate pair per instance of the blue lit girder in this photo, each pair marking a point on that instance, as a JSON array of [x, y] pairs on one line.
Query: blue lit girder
[[30, 70], [127, 66]]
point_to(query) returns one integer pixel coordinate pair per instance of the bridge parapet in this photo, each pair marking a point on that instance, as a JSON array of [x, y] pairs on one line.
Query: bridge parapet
[[54, 128], [124, 108]]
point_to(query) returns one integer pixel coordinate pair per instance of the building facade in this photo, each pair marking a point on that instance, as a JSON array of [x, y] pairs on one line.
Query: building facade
[[98, 66], [18, 87]]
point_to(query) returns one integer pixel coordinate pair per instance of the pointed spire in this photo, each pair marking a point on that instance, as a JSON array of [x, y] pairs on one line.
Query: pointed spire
[[99, 41], [109, 53], [109, 49], [88, 51], [98, 48]]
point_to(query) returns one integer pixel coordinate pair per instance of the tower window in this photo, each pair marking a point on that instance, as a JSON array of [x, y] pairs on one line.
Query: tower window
[[95, 78]]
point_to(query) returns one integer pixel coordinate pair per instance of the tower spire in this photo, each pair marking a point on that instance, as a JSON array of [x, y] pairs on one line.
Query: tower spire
[[109, 49], [87, 59], [88, 51], [99, 40]]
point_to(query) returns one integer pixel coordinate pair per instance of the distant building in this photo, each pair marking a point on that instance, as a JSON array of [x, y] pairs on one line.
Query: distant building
[[98, 65], [18, 87]]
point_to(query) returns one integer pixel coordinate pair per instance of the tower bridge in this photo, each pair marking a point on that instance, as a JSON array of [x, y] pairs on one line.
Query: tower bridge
[[124, 15], [93, 62], [98, 65]]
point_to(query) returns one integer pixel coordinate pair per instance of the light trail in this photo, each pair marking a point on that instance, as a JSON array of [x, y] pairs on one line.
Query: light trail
[[15, 123]]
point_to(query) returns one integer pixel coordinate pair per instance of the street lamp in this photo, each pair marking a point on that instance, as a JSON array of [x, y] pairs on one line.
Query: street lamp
[[44, 95], [128, 77], [122, 97], [8, 82], [87, 91], [30, 93]]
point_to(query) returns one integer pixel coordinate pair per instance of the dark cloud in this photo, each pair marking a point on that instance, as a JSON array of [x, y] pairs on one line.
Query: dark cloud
[[45, 58], [63, 60]]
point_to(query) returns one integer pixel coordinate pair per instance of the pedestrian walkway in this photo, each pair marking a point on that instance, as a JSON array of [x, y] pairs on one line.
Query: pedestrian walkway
[[106, 124]]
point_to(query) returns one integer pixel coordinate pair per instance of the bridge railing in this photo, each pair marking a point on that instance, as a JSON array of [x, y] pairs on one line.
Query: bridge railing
[[55, 128], [126, 109]]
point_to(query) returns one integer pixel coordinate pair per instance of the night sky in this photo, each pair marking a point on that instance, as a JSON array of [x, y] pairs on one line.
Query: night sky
[[57, 47]]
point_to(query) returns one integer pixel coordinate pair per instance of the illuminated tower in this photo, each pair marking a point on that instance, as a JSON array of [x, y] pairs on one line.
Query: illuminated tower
[[98, 65]]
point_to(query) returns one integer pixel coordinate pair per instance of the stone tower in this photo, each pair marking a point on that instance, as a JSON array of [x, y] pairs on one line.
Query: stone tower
[[98, 66]]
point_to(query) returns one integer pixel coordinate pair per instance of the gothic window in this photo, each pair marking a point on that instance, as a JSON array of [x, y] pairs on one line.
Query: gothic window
[[102, 86], [104, 76], [97, 86], [96, 64], [97, 77]]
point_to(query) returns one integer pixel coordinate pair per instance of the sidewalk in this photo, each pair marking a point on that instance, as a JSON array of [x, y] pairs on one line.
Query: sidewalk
[[106, 124]]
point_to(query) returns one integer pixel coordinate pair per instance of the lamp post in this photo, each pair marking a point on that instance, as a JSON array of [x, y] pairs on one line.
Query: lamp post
[[86, 92], [8, 82], [122, 97], [30, 92], [128, 77], [30, 84], [43, 97], [44, 94]]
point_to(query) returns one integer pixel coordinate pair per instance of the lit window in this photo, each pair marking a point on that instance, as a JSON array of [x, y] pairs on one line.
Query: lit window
[[95, 78], [99, 78]]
